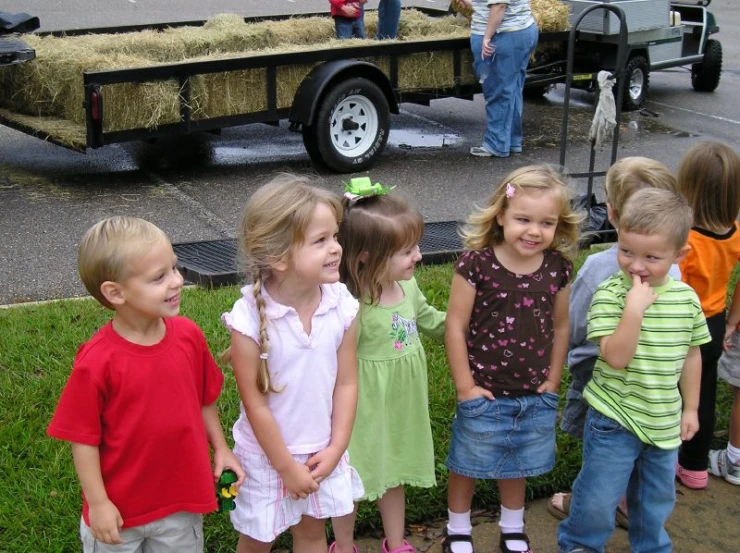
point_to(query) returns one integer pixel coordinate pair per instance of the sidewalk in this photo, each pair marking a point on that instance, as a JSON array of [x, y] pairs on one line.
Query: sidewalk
[[706, 521]]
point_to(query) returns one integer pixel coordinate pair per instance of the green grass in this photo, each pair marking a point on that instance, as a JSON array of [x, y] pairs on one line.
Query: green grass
[[39, 497]]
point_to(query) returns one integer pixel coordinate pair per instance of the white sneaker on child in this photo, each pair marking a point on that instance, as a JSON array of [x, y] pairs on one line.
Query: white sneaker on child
[[720, 465]]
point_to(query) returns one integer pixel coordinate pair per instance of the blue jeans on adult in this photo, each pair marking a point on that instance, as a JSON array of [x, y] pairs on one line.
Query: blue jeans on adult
[[389, 13], [346, 27], [614, 459], [504, 88]]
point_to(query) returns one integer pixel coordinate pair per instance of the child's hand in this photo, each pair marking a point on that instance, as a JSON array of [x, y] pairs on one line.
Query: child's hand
[[474, 392], [323, 463], [726, 343], [225, 459], [689, 424], [298, 481], [350, 10], [548, 386], [641, 295], [106, 522]]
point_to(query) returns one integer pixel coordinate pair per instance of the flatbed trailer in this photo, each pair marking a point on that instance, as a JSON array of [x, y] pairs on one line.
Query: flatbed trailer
[[343, 105]]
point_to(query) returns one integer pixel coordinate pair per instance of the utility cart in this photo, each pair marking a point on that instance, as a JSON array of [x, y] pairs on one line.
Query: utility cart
[[661, 34]]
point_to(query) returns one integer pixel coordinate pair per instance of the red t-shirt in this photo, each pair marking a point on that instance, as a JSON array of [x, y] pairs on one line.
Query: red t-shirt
[[141, 406]]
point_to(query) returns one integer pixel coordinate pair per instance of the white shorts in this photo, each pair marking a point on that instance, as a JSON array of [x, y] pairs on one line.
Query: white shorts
[[264, 510], [728, 367]]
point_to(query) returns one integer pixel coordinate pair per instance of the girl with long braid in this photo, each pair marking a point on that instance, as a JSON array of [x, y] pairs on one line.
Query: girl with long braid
[[293, 354]]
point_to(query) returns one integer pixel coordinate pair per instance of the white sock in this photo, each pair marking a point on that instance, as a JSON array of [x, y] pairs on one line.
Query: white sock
[[733, 454], [512, 521], [459, 523]]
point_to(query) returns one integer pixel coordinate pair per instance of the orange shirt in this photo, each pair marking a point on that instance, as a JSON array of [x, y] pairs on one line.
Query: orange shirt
[[709, 264]]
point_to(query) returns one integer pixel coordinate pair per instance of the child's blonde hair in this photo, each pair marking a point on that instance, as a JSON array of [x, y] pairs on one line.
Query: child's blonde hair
[[107, 248], [482, 229], [372, 231], [709, 178], [273, 224], [652, 211], [630, 174]]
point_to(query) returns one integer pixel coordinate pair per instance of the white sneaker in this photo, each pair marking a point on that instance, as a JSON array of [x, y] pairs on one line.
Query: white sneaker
[[720, 465]]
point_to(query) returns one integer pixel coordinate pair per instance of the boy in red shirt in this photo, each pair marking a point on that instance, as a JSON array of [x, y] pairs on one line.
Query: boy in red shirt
[[349, 20], [140, 404]]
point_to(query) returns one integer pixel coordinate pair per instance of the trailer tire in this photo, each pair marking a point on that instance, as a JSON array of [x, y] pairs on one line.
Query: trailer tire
[[636, 83], [351, 126], [536, 92], [705, 75]]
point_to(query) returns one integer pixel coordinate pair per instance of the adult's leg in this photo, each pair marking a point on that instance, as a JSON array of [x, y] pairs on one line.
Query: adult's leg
[[525, 46], [694, 454], [651, 496], [389, 14], [309, 535], [609, 454], [499, 90], [392, 507]]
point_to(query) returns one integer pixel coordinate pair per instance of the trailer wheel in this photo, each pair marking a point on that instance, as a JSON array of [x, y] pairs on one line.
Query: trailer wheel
[[637, 72], [351, 126], [705, 75], [536, 92]]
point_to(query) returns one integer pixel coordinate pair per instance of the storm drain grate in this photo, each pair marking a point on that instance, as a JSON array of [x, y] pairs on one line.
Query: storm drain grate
[[213, 262]]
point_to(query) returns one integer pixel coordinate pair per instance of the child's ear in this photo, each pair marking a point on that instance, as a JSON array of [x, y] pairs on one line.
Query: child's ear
[[682, 253], [364, 256], [112, 292], [610, 214], [281, 265]]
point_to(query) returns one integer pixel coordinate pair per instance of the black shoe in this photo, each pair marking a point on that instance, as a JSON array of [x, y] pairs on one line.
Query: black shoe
[[514, 536], [451, 538]]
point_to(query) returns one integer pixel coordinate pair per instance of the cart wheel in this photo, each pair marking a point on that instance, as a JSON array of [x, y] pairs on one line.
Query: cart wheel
[[705, 75], [636, 84], [351, 126]]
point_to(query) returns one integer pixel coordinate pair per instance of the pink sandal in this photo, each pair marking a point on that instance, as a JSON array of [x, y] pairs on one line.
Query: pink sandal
[[694, 479], [333, 547], [405, 548]]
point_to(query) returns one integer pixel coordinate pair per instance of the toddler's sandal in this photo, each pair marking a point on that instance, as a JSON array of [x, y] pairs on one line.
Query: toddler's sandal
[[514, 536], [405, 548], [452, 538], [333, 548]]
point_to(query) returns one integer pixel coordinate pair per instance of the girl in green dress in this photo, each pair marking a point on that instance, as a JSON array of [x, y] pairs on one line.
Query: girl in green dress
[[391, 443]]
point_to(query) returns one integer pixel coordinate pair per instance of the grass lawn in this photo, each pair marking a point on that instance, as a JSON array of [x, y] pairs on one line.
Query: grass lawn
[[40, 499]]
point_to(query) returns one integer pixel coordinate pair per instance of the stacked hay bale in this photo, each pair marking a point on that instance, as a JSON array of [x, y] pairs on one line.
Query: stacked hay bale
[[52, 85]]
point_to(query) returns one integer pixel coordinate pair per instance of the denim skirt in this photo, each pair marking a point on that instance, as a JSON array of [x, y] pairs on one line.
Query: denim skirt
[[505, 438]]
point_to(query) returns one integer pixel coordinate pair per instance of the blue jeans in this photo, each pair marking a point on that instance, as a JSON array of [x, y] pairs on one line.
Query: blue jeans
[[346, 27], [389, 13], [574, 412], [614, 459], [504, 88]]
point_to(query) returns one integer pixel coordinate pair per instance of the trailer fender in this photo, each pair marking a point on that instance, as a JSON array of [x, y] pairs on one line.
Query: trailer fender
[[308, 96]]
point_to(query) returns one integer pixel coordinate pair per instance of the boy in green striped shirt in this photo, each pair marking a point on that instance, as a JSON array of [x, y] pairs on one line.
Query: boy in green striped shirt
[[644, 393]]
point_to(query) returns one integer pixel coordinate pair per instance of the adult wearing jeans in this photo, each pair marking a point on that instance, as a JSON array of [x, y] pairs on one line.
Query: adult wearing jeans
[[389, 13], [505, 31]]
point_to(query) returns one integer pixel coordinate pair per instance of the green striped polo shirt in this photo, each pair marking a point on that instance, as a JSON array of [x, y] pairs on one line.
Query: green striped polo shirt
[[644, 397]]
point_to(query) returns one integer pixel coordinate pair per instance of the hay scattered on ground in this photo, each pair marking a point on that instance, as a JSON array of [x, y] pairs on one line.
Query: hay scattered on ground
[[52, 85]]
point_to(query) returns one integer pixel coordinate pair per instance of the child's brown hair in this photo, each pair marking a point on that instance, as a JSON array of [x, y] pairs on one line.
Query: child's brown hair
[[630, 174], [373, 229], [709, 178]]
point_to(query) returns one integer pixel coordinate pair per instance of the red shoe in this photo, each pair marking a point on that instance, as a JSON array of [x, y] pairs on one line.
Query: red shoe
[[694, 479], [333, 548]]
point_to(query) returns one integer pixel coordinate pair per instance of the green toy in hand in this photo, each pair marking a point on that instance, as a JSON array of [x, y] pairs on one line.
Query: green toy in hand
[[226, 491]]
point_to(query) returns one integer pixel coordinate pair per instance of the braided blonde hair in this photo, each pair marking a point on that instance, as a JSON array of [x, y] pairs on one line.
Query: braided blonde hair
[[273, 224]]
